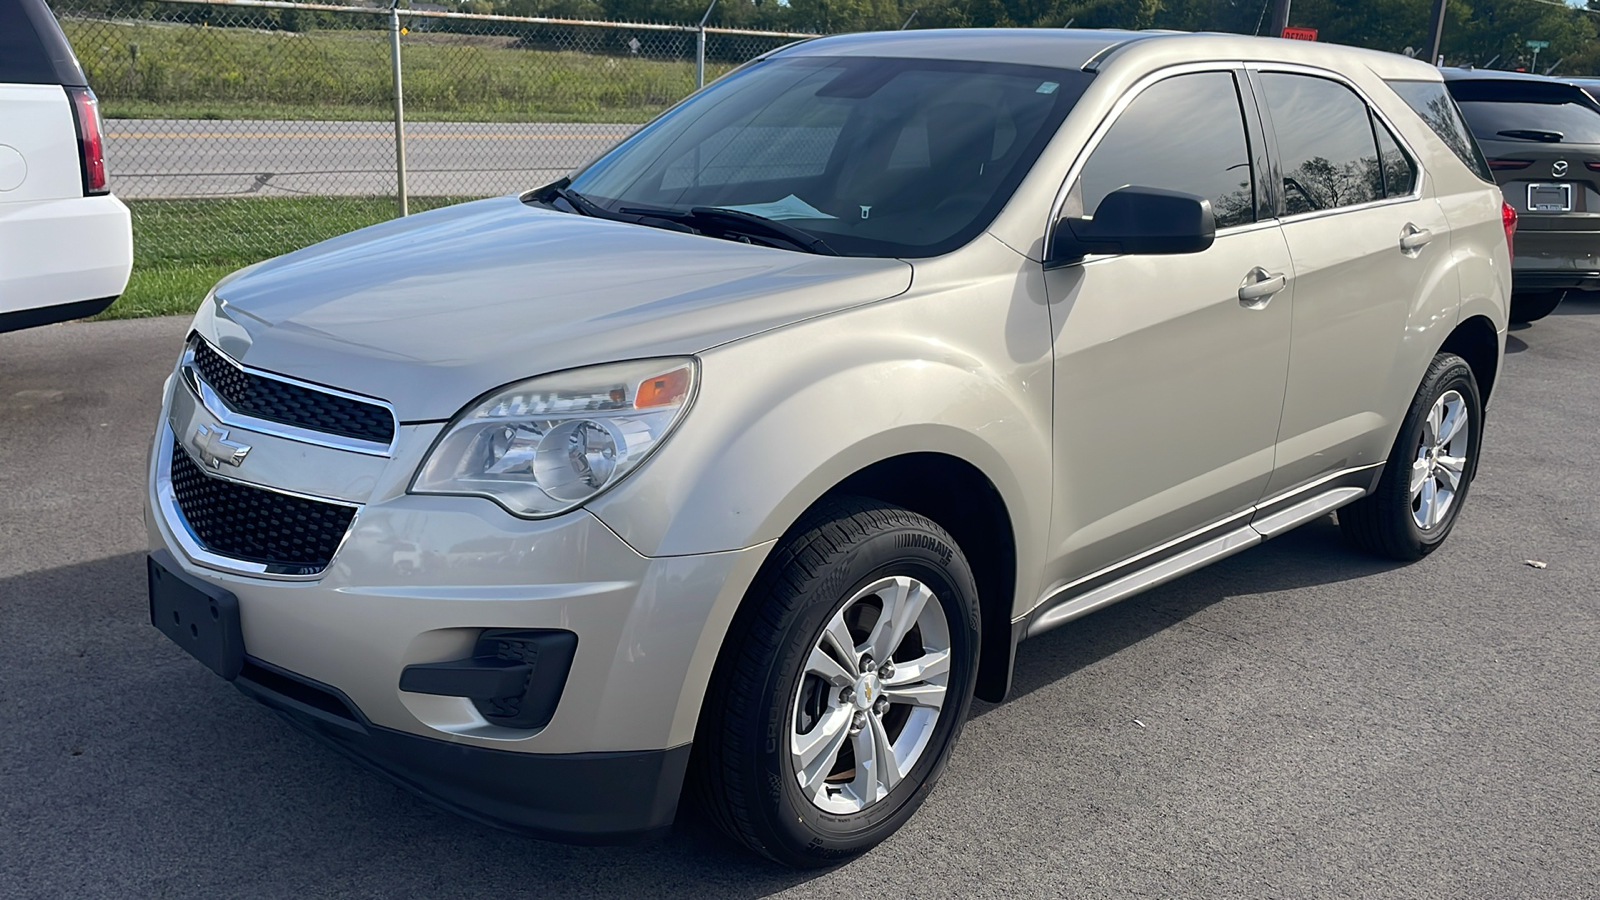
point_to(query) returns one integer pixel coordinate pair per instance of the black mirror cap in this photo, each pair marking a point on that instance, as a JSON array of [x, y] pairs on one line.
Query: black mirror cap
[[1138, 220]]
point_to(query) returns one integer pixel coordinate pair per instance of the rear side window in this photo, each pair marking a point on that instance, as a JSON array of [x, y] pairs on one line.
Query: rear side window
[[32, 48], [1505, 110], [1212, 159], [1429, 100], [1326, 147], [1399, 173]]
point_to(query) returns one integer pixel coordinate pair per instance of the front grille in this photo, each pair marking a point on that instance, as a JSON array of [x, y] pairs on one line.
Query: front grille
[[291, 404], [295, 535]]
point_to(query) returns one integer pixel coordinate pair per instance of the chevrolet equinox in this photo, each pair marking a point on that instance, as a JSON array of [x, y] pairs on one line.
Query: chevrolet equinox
[[735, 464]]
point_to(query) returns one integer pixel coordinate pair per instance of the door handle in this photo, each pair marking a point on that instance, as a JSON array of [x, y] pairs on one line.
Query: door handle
[[1259, 286], [1413, 238]]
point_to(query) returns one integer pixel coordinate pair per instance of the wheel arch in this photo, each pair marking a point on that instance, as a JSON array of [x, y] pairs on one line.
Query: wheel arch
[[1475, 340], [970, 507]]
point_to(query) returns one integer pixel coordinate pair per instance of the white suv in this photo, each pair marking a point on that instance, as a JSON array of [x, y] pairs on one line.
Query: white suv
[[66, 244], [752, 451]]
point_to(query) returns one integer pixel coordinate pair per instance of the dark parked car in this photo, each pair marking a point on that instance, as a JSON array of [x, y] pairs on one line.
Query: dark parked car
[[1542, 140]]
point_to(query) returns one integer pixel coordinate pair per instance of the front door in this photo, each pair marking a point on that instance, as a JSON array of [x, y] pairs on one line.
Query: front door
[[1168, 378]]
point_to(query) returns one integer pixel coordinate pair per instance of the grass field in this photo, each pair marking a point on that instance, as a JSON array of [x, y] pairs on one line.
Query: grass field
[[186, 70], [182, 247]]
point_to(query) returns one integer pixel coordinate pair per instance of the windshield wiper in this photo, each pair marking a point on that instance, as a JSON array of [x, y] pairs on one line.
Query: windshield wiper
[[579, 203], [1532, 134], [735, 221]]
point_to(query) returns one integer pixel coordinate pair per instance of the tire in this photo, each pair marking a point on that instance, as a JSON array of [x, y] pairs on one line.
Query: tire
[[767, 699], [1398, 520], [1535, 305]]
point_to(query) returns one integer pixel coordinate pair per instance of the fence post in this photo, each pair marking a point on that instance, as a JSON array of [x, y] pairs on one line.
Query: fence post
[[399, 108], [700, 49]]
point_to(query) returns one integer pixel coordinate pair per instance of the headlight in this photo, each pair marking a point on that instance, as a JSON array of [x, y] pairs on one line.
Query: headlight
[[545, 446]]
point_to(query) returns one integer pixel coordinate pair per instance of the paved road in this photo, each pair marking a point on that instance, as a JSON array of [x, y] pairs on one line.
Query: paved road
[[152, 158], [1297, 721]]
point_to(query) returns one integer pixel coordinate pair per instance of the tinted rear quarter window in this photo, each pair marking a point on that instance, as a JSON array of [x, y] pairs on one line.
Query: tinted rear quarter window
[[1430, 101], [1325, 143], [1212, 159], [32, 47]]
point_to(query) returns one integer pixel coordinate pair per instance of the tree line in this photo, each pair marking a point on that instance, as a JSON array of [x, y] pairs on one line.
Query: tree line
[[1477, 32]]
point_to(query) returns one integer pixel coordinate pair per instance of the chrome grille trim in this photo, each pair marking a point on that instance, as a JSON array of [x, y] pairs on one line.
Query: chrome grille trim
[[171, 516], [226, 414]]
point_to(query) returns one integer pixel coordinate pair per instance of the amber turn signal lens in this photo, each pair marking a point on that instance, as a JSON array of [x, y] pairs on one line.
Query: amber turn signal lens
[[662, 390]]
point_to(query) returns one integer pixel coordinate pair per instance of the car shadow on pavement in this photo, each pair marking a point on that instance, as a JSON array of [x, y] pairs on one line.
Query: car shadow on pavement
[[1313, 554], [1579, 304], [133, 771]]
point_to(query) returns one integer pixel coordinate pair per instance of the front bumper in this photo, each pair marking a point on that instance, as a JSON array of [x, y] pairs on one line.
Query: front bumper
[[586, 798], [417, 580]]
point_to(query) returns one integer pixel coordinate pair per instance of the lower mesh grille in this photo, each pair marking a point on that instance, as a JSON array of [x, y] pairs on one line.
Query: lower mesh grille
[[296, 535]]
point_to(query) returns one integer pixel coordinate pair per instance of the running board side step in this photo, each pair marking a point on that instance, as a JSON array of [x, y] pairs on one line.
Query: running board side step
[[1065, 605]]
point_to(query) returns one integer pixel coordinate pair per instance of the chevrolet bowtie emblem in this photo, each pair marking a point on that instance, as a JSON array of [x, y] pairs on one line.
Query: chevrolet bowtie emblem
[[215, 449]]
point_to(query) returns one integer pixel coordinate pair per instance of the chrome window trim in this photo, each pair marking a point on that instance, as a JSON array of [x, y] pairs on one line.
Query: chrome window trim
[[229, 416], [1110, 119], [1373, 109], [1232, 66], [177, 525]]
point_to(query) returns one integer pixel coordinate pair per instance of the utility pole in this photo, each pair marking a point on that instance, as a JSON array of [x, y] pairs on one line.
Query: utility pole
[[1280, 18], [1435, 32]]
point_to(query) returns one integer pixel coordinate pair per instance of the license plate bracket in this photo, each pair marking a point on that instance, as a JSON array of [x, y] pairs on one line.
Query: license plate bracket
[[198, 617], [1549, 197]]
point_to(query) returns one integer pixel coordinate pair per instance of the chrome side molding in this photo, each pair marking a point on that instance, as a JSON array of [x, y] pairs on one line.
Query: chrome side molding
[[1181, 556]]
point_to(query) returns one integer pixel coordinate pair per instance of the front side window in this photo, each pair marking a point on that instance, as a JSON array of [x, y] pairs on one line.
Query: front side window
[[1327, 151], [874, 157], [1187, 134]]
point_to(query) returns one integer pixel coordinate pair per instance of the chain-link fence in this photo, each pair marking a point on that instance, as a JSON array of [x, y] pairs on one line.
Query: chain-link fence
[[237, 131]]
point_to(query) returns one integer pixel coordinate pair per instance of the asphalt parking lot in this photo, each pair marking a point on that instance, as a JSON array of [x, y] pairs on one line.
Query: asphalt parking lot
[[1297, 721]]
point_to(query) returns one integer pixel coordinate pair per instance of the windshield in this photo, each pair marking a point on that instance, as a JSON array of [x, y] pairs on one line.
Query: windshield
[[874, 157]]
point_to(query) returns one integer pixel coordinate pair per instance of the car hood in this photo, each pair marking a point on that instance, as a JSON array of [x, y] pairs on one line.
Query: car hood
[[430, 311]]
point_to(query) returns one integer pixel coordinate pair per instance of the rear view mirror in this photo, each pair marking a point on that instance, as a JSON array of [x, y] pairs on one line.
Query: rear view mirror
[[1137, 220]]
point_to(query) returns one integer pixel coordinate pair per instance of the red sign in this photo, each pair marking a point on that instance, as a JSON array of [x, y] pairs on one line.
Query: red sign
[[1300, 34]]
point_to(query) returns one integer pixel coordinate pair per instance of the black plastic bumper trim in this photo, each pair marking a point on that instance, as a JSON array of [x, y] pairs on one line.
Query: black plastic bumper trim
[[1541, 279], [575, 798], [49, 315]]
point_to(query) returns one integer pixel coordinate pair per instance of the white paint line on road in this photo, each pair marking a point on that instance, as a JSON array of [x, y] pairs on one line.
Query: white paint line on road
[[388, 136]]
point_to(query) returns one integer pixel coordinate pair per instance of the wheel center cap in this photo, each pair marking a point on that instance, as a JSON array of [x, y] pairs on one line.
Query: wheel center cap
[[866, 691]]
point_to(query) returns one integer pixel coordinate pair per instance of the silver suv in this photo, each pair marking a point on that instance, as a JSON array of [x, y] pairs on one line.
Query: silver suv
[[747, 455]]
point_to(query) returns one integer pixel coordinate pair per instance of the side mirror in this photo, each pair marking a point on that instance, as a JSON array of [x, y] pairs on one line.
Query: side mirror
[[1137, 220]]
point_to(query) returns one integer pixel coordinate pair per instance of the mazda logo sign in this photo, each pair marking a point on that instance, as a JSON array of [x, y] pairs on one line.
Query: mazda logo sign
[[1559, 169]]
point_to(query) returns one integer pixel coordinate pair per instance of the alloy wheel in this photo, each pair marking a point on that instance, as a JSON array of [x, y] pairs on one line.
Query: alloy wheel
[[1440, 466], [873, 689]]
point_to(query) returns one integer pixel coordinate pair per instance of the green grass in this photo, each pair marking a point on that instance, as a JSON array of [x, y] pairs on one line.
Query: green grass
[[180, 70], [182, 247]]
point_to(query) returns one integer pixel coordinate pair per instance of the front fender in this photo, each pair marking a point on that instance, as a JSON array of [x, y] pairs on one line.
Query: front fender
[[957, 365]]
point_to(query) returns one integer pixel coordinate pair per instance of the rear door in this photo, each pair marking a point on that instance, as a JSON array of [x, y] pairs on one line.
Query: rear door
[[1370, 248]]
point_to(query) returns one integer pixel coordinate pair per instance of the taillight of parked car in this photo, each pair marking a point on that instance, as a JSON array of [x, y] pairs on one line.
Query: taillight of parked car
[[1508, 219], [91, 143], [1593, 166], [1498, 164]]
